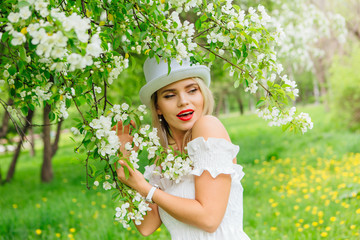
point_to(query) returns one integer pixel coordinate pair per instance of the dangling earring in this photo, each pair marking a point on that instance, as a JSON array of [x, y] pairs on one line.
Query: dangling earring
[[160, 118]]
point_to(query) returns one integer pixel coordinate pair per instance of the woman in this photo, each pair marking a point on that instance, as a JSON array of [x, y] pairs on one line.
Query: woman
[[206, 204]]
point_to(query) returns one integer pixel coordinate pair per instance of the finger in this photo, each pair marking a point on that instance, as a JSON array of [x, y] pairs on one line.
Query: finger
[[119, 127], [124, 164], [127, 129]]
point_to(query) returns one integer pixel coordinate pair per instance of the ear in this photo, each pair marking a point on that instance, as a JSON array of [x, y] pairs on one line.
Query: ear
[[158, 111]]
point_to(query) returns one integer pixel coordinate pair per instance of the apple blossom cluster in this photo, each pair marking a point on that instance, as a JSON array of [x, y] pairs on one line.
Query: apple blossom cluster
[[108, 143], [51, 36], [120, 63], [276, 117], [305, 24], [124, 215], [305, 122], [174, 167]]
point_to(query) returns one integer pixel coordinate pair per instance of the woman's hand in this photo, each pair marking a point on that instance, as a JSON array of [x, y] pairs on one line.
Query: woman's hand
[[124, 135], [135, 180]]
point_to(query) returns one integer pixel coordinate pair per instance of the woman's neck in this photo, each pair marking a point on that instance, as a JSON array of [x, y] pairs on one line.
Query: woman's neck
[[178, 137]]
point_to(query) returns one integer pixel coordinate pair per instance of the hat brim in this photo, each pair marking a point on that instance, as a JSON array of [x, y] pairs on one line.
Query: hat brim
[[147, 91]]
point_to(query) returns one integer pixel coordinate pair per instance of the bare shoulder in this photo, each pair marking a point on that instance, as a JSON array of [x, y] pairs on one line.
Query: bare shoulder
[[209, 126]]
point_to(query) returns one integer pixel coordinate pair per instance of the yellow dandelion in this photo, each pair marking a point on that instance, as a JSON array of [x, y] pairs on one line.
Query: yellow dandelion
[[44, 199], [70, 235], [65, 180], [103, 206], [98, 194], [342, 222], [300, 229], [96, 214], [321, 221], [352, 227], [358, 211], [327, 202], [271, 200], [93, 203], [328, 228], [38, 231], [58, 235], [37, 205], [274, 205], [273, 228], [296, 207], [277, 213], [15, 206], [72, 230], [72, 212], [320, 214], [324, 234], [74, 200], [257, 183], [297, 225], [301, 220], [258, 214], [333, 219], [306, 226], [307, 208], [315, 224], [158, 230]]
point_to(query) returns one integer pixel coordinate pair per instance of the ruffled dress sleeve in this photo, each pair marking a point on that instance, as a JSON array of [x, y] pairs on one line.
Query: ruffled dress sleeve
[[214, 155]]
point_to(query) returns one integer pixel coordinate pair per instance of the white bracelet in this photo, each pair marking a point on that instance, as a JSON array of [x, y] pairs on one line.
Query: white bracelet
[[151, 193]]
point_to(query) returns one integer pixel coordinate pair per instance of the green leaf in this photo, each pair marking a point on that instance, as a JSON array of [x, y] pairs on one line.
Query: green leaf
[[52, 116], [116, 43], [22, 53], [23, 4], [260, 103], [12, 70], [113, 159], [126, 171], [31, 106], [212, 57], [24, 110]]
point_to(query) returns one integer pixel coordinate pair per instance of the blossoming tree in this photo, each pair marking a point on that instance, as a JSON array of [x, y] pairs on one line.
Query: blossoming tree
[[69, 53]]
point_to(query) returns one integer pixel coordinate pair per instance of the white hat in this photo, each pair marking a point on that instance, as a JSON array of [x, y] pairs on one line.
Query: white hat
[[156, 75]]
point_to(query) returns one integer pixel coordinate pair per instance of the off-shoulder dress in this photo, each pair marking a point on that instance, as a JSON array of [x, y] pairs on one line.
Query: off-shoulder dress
[[216, 156]]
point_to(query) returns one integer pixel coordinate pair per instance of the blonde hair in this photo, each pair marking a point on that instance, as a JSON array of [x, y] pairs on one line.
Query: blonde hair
[[163, 127]]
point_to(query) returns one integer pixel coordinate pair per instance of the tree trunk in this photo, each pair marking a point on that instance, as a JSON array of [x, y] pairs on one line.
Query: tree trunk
[[55, 145], [240, 102], [46, 169], [321, 76], [219, 104], [5, 124], [11, 171], [32, 142]]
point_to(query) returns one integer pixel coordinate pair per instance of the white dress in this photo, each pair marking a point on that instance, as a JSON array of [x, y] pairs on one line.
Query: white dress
[[216, 156]]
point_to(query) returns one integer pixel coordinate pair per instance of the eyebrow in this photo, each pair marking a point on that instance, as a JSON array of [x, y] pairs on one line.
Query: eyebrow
[[173, 89]]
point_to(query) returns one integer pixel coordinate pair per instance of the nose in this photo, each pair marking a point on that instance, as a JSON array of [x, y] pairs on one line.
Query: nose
[[182, 100]]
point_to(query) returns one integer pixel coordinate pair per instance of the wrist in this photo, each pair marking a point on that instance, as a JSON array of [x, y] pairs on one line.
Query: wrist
[[151, 193]]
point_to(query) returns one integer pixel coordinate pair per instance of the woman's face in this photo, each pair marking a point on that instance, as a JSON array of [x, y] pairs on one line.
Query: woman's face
[[181, 104]]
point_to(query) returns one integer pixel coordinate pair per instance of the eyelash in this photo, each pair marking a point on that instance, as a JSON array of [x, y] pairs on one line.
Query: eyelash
[[172, 95]]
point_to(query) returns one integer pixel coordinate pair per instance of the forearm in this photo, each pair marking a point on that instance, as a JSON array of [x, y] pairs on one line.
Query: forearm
[[189, 211], [207, 210], [151, 221]]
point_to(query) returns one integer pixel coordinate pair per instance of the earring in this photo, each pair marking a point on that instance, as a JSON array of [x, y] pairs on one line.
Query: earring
[[160, 118]]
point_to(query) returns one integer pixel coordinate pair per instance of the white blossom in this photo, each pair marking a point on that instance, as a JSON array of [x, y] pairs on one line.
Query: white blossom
[[25, 12], [14, 17]]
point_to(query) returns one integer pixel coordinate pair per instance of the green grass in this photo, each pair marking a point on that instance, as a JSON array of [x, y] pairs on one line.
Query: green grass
[[296, 187]]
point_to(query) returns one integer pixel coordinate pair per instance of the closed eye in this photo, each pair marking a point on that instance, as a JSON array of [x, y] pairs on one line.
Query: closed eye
[[169, 96], [193, 90]]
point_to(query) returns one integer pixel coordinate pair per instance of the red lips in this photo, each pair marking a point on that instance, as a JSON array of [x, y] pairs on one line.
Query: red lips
[[185, 115]]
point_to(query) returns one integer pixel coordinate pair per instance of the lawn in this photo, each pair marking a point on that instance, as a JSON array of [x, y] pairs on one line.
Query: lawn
[[296, 187]]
